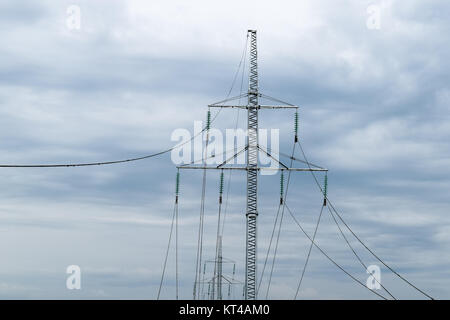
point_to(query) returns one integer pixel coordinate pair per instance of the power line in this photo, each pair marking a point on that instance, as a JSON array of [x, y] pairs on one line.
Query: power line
[[354, 252], [268, 249], [198, 265], [235, 127], [328, 257], [356, 237], [168, 248], [281, 221], [309, 252], [86, 164], [176, 235]]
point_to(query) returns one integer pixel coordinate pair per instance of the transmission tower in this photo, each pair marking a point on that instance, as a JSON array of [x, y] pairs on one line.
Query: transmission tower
[[252, 148]]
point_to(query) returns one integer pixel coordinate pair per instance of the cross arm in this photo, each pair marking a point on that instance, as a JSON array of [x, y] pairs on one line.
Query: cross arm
[[258, 106], [245, 168]]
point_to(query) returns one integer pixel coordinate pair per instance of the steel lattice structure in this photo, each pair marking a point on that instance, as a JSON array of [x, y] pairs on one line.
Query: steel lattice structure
[[252, 173]]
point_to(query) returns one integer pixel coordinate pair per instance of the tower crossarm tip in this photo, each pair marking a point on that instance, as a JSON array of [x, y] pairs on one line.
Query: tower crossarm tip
[[260, 106]]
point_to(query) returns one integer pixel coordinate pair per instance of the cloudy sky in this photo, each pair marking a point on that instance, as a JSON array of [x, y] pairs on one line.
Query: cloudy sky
[[374, 101]]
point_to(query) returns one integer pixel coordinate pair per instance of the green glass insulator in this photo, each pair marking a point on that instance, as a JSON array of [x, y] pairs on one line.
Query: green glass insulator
[[177, 188], [208, 120], [221, 183], [281, 183]]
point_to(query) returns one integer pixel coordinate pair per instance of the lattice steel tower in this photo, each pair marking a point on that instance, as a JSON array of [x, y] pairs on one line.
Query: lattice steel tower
[[252, 172]]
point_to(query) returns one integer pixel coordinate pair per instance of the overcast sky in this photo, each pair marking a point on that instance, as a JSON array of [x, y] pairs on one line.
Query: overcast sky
[[374, 101]]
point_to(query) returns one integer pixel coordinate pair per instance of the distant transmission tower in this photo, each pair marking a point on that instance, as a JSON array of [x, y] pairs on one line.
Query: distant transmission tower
[[252, 148]]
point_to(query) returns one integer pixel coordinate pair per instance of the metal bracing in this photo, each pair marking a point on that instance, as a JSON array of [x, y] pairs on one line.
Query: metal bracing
[[252, 173], [259, 94], [261, 106]]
